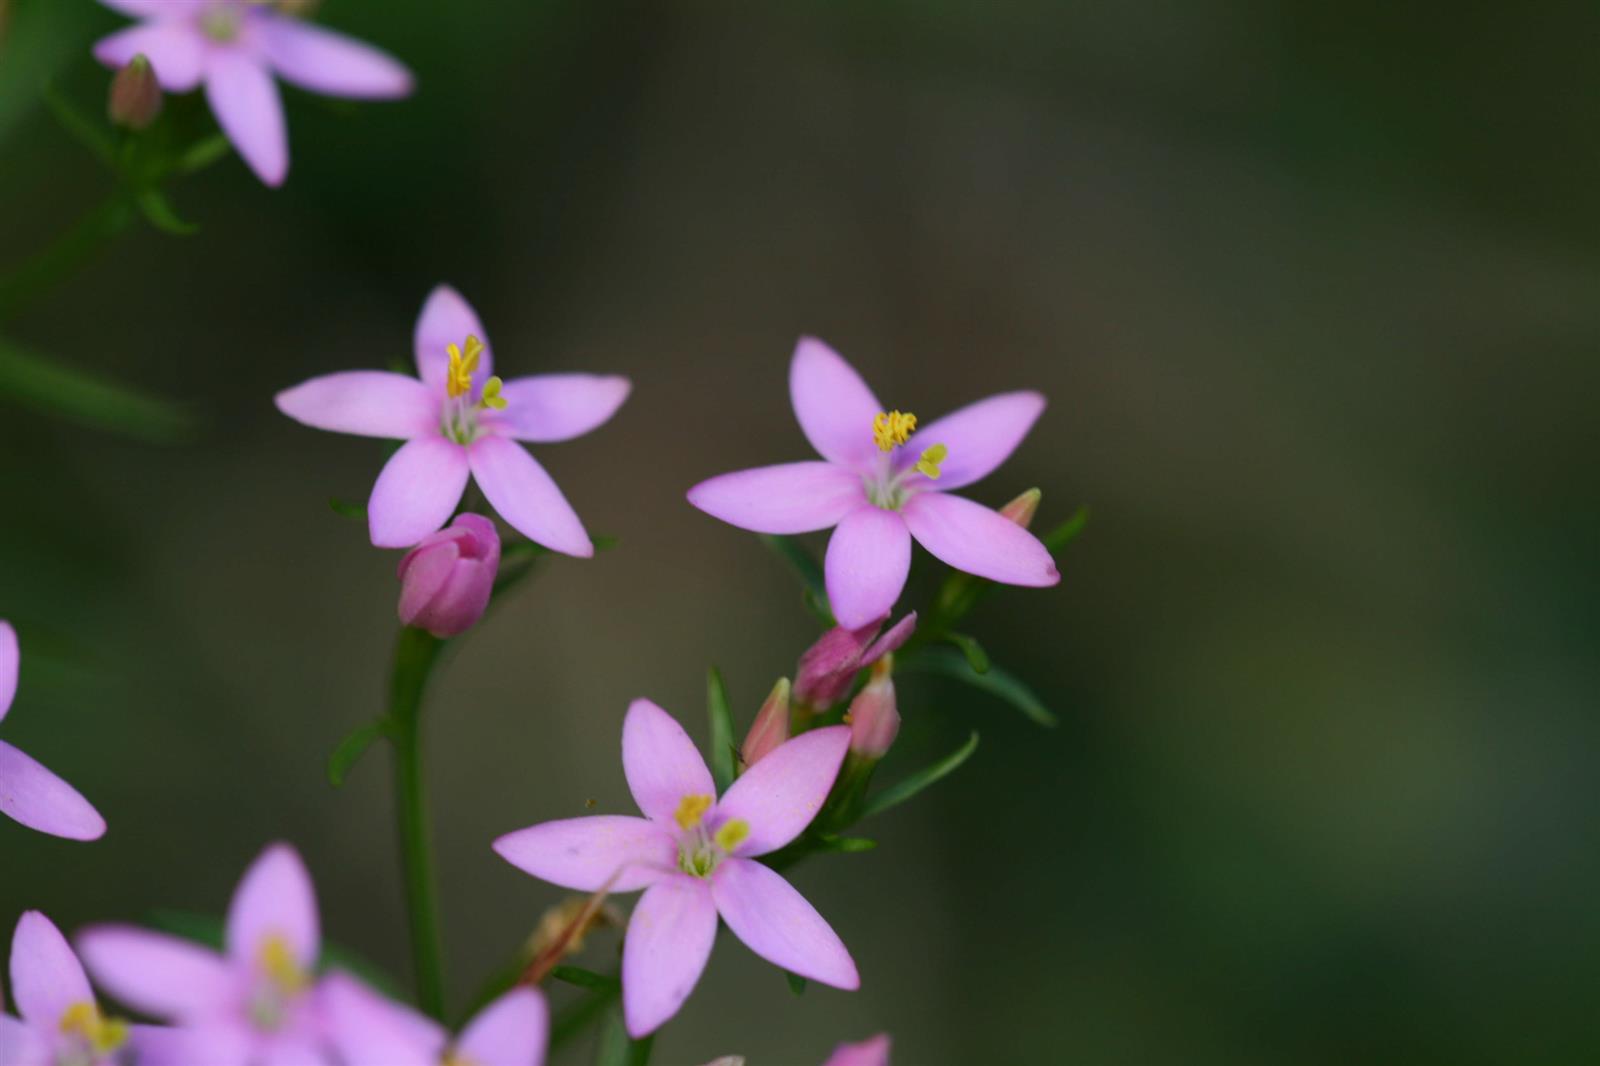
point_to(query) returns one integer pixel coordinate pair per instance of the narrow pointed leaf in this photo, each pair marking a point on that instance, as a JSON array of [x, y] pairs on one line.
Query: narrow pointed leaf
[[897, 794], [796, 555], [203, 153], [85, 130], [948, 663], [581, 978], [797, 984], [721, 730], [619, 1049], [46, 385], [158, 211], [976, 657], [350, 750], [1067, 531], [346, 509]]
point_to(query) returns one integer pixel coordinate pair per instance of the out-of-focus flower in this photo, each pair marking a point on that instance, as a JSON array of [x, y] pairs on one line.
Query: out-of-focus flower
[[60, 1025], [254, 1003], [1022, 509], [135, 98], [694, 857], [556, 925], [771, 727], [368, 1030], [829, 666], [873, 717], [883, 481], [28, 792], [460, 422], [235, 47], [446, 580], [873, 1051]]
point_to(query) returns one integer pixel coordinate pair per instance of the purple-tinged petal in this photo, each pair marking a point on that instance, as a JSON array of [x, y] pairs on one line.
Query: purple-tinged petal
[[214, 1044], [778, 796], [40, 800], [584, 854], [661, 762], [369, 1030], [368, 403], [527, 497], [448, 319], [156, 974], [175, 50], [244, 98], [275, 898], [970, 537], [891, 640], [978, 437], [873, 1051], [666, 949], [46, 977], [833, 405], [20, 1045], [330, 63], [418, 489], [775, 921], [554, 407], [868, 559], [292, 1048], [787, 498], [511, 1031], [10, 665]]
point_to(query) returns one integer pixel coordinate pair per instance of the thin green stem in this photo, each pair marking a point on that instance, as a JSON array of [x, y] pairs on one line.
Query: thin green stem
[[414, 656], [58, 261]]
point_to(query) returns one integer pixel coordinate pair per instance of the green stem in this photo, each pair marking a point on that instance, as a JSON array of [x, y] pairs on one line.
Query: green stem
[[414, 656], [57, 262]]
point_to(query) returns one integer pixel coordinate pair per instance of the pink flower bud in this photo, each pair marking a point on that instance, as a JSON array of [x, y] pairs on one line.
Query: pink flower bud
[[1021, 509], [771, 726], [874, 719], [135, 99], [445, 581], [829, 666]]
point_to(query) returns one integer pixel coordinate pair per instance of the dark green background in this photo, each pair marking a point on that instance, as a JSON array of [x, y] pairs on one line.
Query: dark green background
[[1312, 291]]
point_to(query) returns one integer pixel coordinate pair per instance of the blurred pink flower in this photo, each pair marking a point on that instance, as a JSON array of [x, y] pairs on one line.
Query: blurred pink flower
[[829, 667], [369, 1030], [445, 581], [873, 1051], [695, 858], [60, 1021], [255, 1003], [882, 482], [28, 792], [460, 421], [235, 47]]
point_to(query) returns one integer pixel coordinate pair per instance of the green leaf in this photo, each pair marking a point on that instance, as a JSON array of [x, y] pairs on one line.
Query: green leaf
[[160, 214], [721, 730], [81, 127], [1067, 531], [976, 657], [202, 154], [346, 509], [996, 682], [351, 748], [797, 984], [617, 1048], [806, 566], [51, 387], [846, 844], [581, 978], [897, 794]]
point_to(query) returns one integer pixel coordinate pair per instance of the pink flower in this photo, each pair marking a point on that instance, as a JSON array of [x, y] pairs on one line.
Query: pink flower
[[255, 1003], [829, 667], [369, 1030], [695, 858], [28, 792], [873, 1051], [445, 581], [459, 421], [883, 481], [235, 47], [61, 1023]]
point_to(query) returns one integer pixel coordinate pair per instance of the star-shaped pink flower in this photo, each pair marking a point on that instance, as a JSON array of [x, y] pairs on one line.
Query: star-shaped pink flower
[[884, 480], [694, 856], [28, 792]]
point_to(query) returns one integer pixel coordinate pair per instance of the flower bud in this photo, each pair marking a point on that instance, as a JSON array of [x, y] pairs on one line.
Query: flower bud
[[445, 581], [135, 99], [771, 726], [829, 666], [874, 719], [1021, 509]]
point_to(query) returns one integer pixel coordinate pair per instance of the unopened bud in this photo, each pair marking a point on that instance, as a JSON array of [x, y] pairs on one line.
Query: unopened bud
[[135, 99], [1021, 510], [568, 920], [771, 726], [874, 718], [446, 581], [830, 665]]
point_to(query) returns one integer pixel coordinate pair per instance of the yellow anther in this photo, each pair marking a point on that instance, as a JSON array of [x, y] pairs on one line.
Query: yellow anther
[[455, 1058], [277, 961], [104, 1035], [732, 834], [491, 395], [463, 361], [928, 462], [690, 810], [891, 428]]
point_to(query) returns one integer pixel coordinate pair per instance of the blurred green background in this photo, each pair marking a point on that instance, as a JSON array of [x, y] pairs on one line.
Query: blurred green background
[[1311, 289]]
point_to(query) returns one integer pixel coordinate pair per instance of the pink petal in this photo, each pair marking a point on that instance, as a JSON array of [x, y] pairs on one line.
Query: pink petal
[[275, 898], [557, 407], [779, 795], [511, 1031], [661, 762], [292, 1049], [970, 537], [416, 492], [788, 498], [21, 1046], [776, 922], [175, 50], [10, 665], [869, 557], [46, 977], [666, 949], [583, 854], [245, 101], [141, 9], [214, 1044], [873, 1051], [330, 63], [40, 800], [979, 437], [368, 403], [156, 974], [891, 640], [526, 497], [370, 1030], [448, 319], [834, 406]]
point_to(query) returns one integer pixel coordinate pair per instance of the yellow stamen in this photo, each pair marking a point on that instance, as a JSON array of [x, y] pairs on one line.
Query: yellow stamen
[[104, 1035], [732, 834], [463, 361], [928, 462], [491, 395], [455, 1058], [690, 810], [891, 428], [277, 961]]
